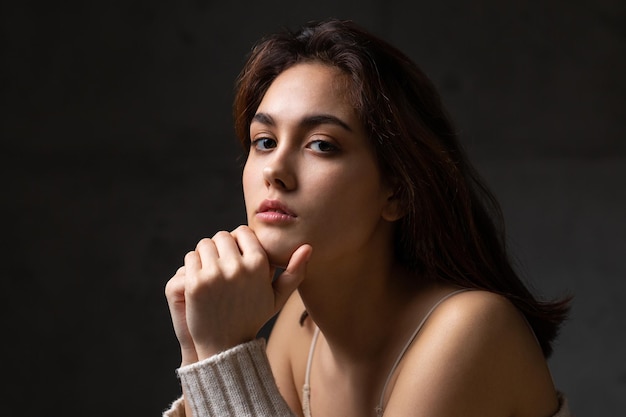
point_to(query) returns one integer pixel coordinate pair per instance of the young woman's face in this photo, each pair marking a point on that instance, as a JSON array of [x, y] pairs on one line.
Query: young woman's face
[[311, 175]]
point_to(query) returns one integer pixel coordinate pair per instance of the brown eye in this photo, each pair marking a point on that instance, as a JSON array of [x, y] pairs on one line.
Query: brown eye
[[264, 144], [322, 146]]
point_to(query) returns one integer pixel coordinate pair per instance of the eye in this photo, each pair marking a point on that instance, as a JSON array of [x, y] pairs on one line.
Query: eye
[[263, 144], [322, 146]]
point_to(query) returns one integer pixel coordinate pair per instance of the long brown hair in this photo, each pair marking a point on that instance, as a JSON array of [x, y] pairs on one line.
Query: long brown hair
[[452, 230]]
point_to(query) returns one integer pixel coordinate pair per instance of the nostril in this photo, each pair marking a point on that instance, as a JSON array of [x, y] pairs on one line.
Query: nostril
[[280, 183], [279, 177]]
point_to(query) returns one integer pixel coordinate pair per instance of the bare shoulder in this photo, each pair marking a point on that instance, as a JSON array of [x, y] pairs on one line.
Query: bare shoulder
[[475, 355], [476, 314], [287, 350]]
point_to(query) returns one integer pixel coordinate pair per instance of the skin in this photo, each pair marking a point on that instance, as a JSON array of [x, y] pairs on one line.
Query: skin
[[309, 156]]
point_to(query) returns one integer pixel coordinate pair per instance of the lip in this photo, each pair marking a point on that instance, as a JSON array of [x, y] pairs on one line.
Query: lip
[[274, 211], [275, 206]]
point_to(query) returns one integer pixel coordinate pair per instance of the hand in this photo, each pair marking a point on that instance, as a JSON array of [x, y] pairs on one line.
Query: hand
[[175, 293], [224, 293]]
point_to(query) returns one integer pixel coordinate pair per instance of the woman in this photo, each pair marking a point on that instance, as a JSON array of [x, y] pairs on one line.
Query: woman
[[397, 297]]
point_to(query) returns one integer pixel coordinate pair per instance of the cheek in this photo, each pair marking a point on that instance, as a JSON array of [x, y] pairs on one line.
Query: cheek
[[249, 186], [360, 186], [348, 197]]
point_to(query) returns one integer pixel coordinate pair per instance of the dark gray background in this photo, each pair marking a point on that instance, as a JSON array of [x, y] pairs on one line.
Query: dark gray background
[[118, 154]]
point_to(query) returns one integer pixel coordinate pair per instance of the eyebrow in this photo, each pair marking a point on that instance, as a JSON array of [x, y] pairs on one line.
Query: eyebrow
[[307, 121]]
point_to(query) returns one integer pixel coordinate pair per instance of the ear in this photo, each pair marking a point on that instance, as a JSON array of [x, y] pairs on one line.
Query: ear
[[393, 209]]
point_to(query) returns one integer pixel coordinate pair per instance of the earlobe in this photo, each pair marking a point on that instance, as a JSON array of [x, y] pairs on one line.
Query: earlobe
[[394, 209]]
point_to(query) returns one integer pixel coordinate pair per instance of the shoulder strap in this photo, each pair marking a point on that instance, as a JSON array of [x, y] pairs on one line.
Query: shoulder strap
[[379, 408], [306, 389]]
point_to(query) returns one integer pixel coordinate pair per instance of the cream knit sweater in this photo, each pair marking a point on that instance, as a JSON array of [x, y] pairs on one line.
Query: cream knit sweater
[[239, 382]]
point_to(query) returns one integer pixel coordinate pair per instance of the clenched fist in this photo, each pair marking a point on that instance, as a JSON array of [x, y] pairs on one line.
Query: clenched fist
[[224, 293]]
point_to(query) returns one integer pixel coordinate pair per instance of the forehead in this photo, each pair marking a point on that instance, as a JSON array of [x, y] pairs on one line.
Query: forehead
[[309, 87]]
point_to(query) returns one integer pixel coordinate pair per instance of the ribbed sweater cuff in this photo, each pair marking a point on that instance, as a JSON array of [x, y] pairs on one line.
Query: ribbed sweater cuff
[[237, 382]]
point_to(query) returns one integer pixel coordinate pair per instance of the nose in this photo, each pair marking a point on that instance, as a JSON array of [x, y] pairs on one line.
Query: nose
[[279, 172]]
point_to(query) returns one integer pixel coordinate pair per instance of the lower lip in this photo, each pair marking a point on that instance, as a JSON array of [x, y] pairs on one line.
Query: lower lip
[[273, 217]]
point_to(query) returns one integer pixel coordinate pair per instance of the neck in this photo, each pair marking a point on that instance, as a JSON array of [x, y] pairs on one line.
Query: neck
[[354, 302]]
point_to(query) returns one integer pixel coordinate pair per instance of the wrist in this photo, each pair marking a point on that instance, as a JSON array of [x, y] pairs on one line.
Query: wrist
[[188, 356], [207, 351]]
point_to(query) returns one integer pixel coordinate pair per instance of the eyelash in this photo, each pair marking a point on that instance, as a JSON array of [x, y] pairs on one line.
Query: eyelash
[[256, 143], [260, 144], [332, 147]]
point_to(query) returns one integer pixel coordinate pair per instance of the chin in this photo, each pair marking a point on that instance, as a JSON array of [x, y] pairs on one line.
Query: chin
[[278, 250], [279, 259]]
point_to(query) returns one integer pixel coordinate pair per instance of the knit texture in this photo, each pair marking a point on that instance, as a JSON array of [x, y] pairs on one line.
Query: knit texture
[[237, 382], [177, 409]]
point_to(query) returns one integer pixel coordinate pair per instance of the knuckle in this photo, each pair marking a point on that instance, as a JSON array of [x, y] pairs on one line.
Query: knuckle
[[194, 286], [232, 270], [190, 256], [201, 279], [197, 286], [241, 228], [221, 235], [257, 260], [204, 242], [171, 287]]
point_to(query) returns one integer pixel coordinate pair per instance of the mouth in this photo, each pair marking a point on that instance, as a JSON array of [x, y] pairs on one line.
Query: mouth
[[275, 206]]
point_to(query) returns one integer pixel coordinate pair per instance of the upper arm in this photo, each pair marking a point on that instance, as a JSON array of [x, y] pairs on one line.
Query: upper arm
[[285, 349], [475, 356]]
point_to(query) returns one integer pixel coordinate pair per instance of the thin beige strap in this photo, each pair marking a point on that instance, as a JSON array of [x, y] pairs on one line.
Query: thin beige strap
[[306, 388], [379, 408]]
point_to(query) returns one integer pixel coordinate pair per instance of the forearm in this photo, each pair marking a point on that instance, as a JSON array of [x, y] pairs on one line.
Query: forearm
[[236, 382]]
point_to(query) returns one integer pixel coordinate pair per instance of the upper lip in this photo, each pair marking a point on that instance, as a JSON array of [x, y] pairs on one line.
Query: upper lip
[[275, 205]]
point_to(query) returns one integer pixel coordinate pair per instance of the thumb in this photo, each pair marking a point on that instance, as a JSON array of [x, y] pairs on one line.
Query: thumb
[[289, 280]]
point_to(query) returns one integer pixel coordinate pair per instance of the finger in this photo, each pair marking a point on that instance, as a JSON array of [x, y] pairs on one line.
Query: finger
[[247, 241], [289, 280], [254, 255], [175, 288], [226, 245], [192, 261], [206, 253]]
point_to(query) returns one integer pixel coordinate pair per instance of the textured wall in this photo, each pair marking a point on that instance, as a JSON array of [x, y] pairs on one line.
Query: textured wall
[[117, 155]]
